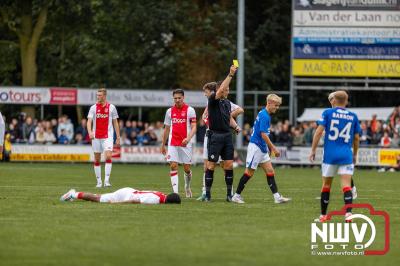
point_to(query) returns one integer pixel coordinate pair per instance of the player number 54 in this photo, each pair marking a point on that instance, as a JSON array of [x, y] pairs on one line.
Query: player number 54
[[345, 133]]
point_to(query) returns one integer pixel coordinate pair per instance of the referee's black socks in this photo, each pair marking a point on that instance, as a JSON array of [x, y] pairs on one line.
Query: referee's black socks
[[209, 178], [229, 182]]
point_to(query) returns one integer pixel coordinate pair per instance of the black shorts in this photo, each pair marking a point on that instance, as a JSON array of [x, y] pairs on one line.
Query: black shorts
[[219, 144]]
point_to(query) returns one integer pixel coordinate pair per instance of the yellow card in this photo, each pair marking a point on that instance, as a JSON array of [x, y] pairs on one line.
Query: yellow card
[[235, 63]]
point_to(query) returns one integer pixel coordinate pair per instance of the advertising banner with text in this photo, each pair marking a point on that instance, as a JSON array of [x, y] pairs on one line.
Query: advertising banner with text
[[346, 30]]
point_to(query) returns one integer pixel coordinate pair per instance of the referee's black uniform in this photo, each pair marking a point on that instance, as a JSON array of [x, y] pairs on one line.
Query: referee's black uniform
[[219, 140]]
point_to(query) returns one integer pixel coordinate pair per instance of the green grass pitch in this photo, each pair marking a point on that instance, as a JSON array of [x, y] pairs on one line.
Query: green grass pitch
[[37, 229]]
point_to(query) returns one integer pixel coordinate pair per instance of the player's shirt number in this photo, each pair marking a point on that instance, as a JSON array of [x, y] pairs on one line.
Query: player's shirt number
[[345, 133]]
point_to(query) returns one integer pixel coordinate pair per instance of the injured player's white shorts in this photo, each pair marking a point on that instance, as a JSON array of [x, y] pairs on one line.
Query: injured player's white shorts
[[121, 195]]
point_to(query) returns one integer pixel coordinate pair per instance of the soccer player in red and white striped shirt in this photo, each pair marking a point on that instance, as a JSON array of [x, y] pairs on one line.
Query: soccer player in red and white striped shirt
[[124, 195], [179, 127], [104, 116]]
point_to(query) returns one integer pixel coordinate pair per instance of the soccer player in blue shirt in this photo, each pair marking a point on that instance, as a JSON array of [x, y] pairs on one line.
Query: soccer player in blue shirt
[[341, 135], [353, 186], [258, 151]]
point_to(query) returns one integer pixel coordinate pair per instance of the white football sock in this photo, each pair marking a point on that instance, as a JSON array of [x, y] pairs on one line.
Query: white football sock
[[174, 180], [277, 195], [188, 179], [107, 171], [97, 172]]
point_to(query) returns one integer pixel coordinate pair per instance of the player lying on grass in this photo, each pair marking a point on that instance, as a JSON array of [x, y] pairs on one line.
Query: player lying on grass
[[124, 195]]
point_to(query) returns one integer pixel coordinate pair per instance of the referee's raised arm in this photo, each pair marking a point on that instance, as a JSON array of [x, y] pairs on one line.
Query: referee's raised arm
[[224, 88]]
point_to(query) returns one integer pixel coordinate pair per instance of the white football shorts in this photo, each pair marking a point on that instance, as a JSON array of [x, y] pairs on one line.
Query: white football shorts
[[330, 170], [101, 145], [121, 195], [255, 156], [178, 154]]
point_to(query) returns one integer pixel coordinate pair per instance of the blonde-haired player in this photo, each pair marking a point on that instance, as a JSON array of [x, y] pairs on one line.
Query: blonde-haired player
[[258, 151], [104, 116]]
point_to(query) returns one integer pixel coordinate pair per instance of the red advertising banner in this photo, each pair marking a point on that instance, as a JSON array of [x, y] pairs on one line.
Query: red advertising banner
[[63, 96]]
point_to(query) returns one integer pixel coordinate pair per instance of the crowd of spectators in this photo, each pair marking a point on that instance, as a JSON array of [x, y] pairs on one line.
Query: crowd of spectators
[[25, 129]]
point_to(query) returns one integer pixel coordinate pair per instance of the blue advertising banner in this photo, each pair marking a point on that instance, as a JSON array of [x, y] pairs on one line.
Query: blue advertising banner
[[345, 51]]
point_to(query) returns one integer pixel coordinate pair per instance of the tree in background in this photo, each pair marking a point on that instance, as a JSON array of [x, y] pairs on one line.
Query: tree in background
[[25, 20]]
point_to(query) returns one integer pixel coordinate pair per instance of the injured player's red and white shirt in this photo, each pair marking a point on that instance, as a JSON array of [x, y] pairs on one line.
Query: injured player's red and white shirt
[[136, 196]]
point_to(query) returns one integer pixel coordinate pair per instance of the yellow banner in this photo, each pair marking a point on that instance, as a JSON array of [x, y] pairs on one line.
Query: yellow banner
[[388, 157], [50, 157], [346, 68]]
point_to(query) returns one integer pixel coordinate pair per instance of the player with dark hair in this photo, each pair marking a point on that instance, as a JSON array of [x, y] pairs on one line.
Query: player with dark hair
[[236, 110], [179, 128], [124, 195], [341, 135], [219, 133], [258, 151]]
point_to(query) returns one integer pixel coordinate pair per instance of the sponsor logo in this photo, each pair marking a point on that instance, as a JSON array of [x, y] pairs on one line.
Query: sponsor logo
[[348, 68], [63, 96], [101, 115], [20, 97], [355, 238], [178, 120]]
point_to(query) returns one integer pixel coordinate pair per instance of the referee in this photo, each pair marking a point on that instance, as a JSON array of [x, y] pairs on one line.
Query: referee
[[219, 134]]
